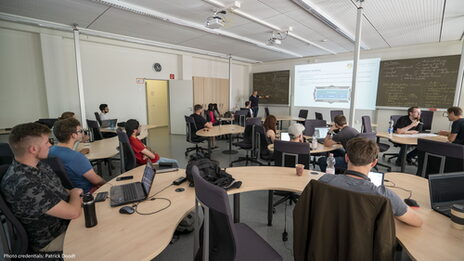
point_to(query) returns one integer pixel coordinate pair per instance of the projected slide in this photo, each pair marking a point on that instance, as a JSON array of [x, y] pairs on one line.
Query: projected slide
[[328, 85]]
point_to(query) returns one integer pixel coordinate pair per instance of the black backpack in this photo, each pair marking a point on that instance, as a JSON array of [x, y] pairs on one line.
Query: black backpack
[[210, 171]]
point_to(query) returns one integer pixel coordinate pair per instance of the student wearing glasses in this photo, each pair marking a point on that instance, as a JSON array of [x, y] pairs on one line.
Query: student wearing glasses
[[78, 167]]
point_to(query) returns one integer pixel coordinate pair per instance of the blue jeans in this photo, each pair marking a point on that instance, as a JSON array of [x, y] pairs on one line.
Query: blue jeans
[[255, 111], [166, 160], [340, 163]]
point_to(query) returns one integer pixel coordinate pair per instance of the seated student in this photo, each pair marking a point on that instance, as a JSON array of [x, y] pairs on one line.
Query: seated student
[[340, 132], [78, 167], [66, 115], [270, 127], [295, 131], [200, 122], [34, 192], [408, 124], [248, 108], [361, 155], [142, 152], [217, 114], [104, 111], [210, 115], [456, 135]]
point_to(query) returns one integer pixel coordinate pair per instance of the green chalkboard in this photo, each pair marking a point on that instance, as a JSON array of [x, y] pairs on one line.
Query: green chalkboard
[[275, 84], [425, 82]]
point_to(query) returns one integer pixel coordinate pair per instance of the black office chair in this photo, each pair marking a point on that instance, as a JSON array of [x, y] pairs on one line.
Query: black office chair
[[58, 167], [318, 116], [266, 112], [49, 122], [248, 144], [97, 117], [311, 124], [366, 127], [373, 136], [302, 114], [14, 237], [287, 154], [240, 117], [335, 113], [427, 118], [261, 144], [191, 137], [95, 133], [226, 241], [448, 156], [126, 154], [6, 154], [393, 118]]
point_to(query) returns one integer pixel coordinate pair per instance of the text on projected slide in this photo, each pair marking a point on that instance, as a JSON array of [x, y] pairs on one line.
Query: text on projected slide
[[328, 85]]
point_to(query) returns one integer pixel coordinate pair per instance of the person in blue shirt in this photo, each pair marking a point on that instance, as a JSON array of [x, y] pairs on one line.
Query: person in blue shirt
[[78, 167]]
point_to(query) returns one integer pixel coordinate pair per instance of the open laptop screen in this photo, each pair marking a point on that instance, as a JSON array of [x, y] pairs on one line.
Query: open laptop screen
[[376, 178], [148, 176], [284, 136], [321, 132], [446, 187]]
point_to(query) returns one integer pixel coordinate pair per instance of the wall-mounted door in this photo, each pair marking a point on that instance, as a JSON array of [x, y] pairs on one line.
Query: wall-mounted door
[[157, 102]]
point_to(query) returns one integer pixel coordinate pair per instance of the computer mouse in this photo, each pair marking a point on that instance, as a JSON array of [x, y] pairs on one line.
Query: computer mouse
[[127, 210], [179, 189], [411, 202]]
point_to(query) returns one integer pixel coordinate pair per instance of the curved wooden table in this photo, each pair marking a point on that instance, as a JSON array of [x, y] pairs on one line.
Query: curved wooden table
[[320, 148], [137, 237], [406, 140], [218, 131]]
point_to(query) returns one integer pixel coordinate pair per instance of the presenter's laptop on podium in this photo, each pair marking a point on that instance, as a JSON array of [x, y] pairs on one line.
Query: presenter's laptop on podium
[[135, 191], [445, 191]]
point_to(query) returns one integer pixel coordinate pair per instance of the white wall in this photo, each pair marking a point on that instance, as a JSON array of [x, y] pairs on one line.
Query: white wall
[[380, 116], [38, 74]]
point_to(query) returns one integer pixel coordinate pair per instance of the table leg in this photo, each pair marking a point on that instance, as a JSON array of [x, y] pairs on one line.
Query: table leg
[[237, 208], [230, 150], [210, 140], [270, 203], [403, 158]]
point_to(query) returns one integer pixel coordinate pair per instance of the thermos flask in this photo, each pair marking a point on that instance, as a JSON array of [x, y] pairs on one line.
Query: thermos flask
[[89, 210]]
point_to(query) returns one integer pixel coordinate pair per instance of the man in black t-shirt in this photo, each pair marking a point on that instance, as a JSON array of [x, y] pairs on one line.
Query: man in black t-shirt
[[456, 135], [408, 124], [200, 121], [254, 99]]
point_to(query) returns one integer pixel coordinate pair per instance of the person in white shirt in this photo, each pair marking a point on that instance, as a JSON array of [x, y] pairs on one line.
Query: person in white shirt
[[103, 111], [248, 107]]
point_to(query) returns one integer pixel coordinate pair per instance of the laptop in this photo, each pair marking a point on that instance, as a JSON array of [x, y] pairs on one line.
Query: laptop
[[445, 191], [135, 191], [376, 178], [320, 133], [166, 167], [111, 124], [284, 136]]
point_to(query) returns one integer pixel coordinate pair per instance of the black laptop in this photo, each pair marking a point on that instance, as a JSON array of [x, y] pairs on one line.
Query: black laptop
[[445, 191], [110, 124], [135, 191]]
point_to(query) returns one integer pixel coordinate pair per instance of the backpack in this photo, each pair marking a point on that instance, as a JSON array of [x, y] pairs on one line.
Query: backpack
[[228, 114], [210, 171]]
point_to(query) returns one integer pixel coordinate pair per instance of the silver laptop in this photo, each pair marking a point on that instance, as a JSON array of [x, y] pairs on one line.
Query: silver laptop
[[166, 167], [445, 191], [135, 191], [109, 123], [321, 132], [376, 178]]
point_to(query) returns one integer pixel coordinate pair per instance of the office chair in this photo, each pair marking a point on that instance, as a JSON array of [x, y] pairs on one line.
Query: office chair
[[126, 154], [240, 117], [261, 143], [311, 124], [318, 116], [302, 114], [97, 117], [287, 154], [6, 154], [49, 122], [448, 156], [248, 144], [266, 112], [225, 240], [191, 137], [393, 118], [366, 127], [335, 113], [427, 118], [373, 136], [58, 167], [95, 133]]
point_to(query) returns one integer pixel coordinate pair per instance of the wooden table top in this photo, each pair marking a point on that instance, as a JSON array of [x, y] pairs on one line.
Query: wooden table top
[[220, 130], [410, 139], [140, 237], [320, 148], [288, 118]]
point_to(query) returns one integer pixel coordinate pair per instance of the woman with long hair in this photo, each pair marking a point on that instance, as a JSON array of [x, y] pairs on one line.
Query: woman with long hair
[[270, 127]]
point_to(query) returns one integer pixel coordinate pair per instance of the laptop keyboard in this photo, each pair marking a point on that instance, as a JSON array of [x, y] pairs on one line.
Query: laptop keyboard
[[130, 192]]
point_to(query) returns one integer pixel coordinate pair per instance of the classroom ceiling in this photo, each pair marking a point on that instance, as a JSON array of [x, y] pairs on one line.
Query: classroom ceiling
[[386, 24]]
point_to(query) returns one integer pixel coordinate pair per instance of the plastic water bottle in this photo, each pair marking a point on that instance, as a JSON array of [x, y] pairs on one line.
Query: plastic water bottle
[[314, 143], [390, 127], [330, 164]]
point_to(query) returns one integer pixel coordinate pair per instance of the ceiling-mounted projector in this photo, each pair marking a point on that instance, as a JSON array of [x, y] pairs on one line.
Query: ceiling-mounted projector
[[274, 41], [216, 21]]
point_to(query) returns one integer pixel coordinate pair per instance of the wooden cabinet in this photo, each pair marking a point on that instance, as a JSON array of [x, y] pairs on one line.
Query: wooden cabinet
[[211, 90]]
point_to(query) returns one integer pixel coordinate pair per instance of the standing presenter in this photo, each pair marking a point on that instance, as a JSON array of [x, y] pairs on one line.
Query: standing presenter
[[254, 99]]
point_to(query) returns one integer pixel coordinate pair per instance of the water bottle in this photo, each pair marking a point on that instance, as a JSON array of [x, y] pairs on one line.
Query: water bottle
[[330, 164], [390, 127], [314, 143], [89, 210]]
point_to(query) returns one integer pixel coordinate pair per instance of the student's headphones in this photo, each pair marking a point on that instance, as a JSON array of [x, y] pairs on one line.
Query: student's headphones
[[357, 174]]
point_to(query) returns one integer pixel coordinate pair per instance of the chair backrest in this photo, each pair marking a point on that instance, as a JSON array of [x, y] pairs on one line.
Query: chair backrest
[[253, 121], [240, 117], [261, 143], [311, 124], [190, 128], [318, 116], [266, 112], [48, 121], [97, 117], [6, 154], [126, 153], [427, 117], [13, 235], [395, 118], [94, 128], [288, 153], [368, 135], [442, 150], [335, 113], [303, 114], [217, 223], [58, 167], [366, 124]]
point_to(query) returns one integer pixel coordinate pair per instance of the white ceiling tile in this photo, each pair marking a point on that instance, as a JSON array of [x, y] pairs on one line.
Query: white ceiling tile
[[453, 26]]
